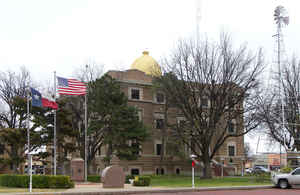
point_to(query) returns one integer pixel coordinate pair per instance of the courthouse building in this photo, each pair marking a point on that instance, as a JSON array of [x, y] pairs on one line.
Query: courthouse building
[[136, 83]]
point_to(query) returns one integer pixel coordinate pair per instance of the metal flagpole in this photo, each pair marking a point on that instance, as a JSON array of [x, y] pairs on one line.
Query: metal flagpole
[[85, 134], [193, 177], [28, 144], [30, 178], [85, 141], [54, 137]]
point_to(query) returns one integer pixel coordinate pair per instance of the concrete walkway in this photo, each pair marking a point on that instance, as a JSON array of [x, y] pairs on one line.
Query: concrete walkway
[[96, 189]]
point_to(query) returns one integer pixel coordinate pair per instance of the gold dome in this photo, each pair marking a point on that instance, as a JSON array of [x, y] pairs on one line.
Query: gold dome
[[147, 64]]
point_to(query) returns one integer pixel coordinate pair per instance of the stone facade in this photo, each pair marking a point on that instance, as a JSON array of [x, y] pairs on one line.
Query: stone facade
[[151, 111]]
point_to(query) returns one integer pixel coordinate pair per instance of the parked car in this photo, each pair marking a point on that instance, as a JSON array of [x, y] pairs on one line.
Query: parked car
[[287, 180], [248, 170], [260, 169]]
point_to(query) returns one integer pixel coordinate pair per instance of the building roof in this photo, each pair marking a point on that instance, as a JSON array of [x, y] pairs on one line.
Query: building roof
[[147, 64]]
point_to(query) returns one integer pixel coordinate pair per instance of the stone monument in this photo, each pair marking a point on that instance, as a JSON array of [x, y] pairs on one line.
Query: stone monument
[[77, 169], [113, 177]]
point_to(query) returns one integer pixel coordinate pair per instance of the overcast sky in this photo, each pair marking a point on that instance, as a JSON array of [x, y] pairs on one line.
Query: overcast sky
[[59, 35]]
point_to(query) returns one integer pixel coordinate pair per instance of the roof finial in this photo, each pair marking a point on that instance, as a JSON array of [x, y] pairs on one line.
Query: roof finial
[[145, 52]]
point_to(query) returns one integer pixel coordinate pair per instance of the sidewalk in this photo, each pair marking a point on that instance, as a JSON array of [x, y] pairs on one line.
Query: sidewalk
[[96, 189]]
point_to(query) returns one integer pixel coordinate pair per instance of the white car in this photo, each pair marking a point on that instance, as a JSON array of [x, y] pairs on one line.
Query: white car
[[249, 170], [287, 180]]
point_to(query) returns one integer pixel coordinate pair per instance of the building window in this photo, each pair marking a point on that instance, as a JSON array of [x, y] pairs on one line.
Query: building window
[[159, 123], [135, 94], [136, 148], [204, 102], [135, 171], [2, 149], [181, 123], [294, 162], [160, 98], [231, 150], [177, 171], [158, 149], [160, 171], [230, 127]]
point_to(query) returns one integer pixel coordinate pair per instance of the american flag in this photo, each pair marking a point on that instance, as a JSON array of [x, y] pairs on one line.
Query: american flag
[[70, 87]]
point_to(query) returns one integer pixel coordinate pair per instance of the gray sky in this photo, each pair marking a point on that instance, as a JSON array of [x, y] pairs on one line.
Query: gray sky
[[49, 35], [59, 35]]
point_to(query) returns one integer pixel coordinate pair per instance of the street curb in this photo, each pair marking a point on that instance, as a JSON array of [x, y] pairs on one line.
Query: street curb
[[151, 190]]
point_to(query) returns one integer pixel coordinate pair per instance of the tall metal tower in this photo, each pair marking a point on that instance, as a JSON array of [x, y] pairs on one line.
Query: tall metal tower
[[281, 19]]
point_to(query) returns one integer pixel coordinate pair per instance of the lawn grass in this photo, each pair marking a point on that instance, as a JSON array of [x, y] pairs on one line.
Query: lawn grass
[[172, 181], [186, 181], [16, 190]]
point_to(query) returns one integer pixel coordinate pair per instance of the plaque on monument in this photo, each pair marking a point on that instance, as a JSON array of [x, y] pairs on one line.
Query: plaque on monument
[[113, 177]]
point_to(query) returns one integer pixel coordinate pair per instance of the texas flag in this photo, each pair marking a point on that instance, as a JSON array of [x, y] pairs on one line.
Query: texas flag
[[39, 101], [49, 104]]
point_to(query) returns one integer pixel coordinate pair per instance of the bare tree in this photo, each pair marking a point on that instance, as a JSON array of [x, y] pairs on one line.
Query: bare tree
[[89, 72], [279, 109], [13, 85], [211, 84], [13, 90]]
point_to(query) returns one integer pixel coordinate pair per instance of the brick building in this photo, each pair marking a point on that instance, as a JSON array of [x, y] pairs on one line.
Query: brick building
[[136, 83]]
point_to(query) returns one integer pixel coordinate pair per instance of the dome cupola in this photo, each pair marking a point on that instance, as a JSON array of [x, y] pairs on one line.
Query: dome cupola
[[147, 64]]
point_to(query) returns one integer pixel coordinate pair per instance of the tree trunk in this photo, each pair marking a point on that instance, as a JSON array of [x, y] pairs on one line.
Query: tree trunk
[[92, 168], [207, 168], [15, 161], [108, 155], [15, 167]]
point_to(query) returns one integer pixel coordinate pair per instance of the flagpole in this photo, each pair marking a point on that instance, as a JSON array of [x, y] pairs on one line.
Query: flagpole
[[85, 135], [85, 140], [28, 144], [54, 136]]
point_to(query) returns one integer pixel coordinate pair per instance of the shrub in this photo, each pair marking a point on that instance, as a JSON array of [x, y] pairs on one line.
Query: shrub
[[60, 181], [94, 178], [127, 178], [38, 181], [286, 170], [142, 181], [262, 177]]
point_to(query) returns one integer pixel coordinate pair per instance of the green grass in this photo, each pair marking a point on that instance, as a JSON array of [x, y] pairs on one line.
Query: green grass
[[185, 181]]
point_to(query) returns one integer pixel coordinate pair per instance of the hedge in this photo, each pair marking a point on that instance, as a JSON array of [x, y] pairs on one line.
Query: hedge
[[38, 181], [142, 181], [94, 178]]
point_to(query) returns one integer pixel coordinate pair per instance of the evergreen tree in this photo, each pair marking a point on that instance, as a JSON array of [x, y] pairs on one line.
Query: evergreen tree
[[112, 122]]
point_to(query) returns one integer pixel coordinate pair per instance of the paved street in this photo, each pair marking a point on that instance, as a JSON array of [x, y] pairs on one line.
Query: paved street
[[273, 191]]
